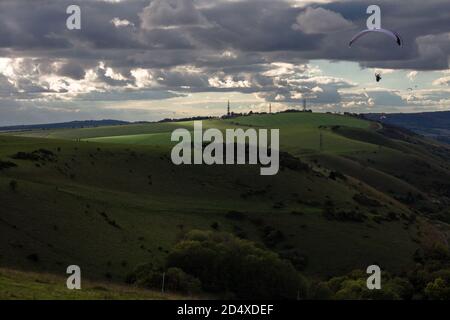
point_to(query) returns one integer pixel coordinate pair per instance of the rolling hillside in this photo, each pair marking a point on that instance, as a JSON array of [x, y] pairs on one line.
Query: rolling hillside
[[430, 124], [109, 198], [63, 125]]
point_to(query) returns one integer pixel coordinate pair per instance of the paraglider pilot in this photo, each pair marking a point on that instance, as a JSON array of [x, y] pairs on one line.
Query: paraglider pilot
[[378, 77]]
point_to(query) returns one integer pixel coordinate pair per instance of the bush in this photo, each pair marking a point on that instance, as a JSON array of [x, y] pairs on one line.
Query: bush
[[320, 291], [291, 162], [438, 286], [26, 156], [179, 281], [298, 259], [354, 287], [40, 154], [215, 225], [439, 289], [272, 237], [140, 272], [7, 165], [334, 175], [437, 251], [176, 280], [226, 264]]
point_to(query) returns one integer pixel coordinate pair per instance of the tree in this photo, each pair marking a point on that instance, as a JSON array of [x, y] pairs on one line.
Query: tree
[[179, 281], [174, 279], [226, 264], [354, 287], [439, 289]]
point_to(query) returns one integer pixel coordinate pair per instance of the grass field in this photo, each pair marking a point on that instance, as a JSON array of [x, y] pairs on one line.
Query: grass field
[[297, 130], [19, 285], [114, 200]]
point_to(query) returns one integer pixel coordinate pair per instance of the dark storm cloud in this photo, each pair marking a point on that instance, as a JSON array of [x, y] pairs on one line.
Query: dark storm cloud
[[218, 45], [259, 26], [171, 14], [128, 95], [72, 70], [423, 26]]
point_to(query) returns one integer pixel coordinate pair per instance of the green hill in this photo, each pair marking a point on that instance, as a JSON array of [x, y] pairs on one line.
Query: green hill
[[109, 198]]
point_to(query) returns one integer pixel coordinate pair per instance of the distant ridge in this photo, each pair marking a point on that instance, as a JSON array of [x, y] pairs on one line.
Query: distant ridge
[[65, 125], [435, 125]]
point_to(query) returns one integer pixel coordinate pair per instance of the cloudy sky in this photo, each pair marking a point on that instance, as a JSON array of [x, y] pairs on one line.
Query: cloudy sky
[[152, 59]]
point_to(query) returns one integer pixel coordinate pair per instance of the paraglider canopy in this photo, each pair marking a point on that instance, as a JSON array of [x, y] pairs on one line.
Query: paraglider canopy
[[389, 33]]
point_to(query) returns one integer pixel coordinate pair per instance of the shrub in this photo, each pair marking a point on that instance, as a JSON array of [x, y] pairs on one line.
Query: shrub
[[439, 289], [291, 162], [175, 279], [272, 237], [337, 175], [437, 251], [215, 225], [145, 275], [40, 154], [354, 287], [7, 165], [298, 259], [179, 281], [26, 156], [320, 291]]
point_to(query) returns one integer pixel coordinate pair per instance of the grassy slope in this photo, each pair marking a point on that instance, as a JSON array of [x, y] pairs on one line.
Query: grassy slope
[[83, 133], [355, 147], [17, 285], [63, 210]]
